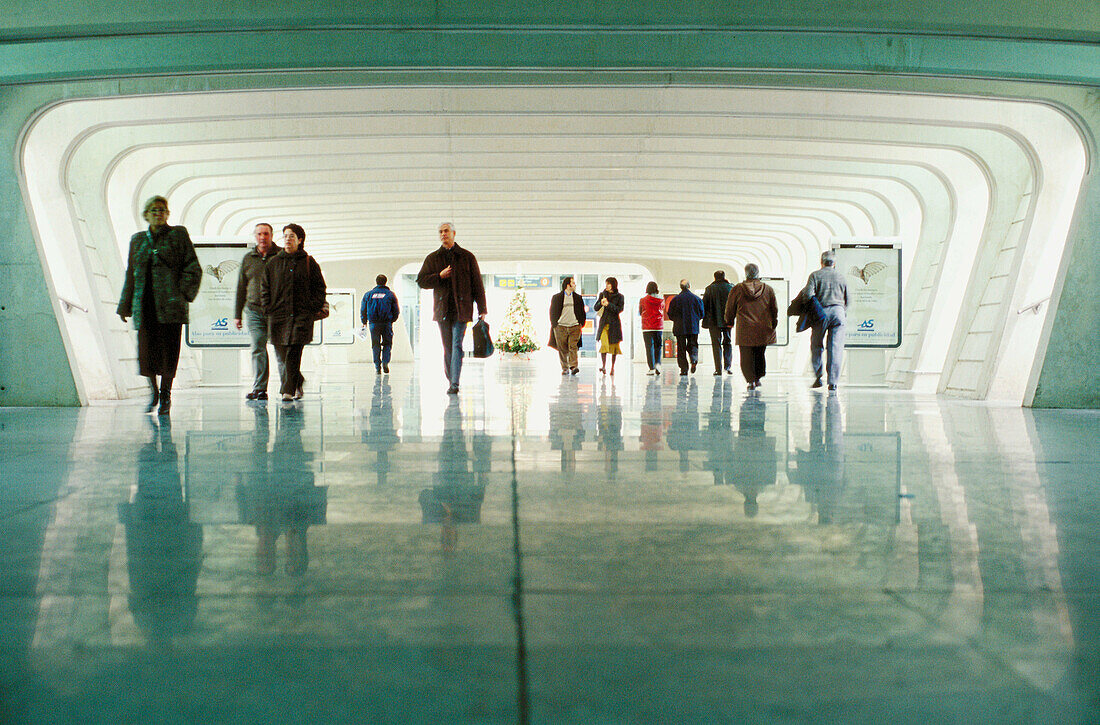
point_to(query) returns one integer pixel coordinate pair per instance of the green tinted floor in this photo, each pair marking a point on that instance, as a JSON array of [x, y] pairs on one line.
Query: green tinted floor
[[550, 549]]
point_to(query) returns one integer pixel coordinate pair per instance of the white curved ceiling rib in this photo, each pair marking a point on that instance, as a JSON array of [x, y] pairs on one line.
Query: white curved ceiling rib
[[637, 174]]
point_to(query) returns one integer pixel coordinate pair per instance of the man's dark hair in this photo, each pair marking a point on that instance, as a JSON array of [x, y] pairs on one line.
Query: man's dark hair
[[380, 280], [565, 282], [719, 275], [264, 224], [298, 232]]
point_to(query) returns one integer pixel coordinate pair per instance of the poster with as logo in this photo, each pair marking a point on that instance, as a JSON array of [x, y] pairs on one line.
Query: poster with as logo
[[873, 274], [211, 314]]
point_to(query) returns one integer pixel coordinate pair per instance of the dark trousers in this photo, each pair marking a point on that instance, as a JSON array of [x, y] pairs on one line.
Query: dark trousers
[[381, 341], [453, 333], [752, 362], [158, 348], [290, 361], [687, 349], [652, 340], [721, 346]]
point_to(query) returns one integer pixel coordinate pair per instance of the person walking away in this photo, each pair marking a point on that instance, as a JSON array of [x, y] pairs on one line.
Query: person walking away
[[292, 293], [651, 309], [831, 290], [379, 311], [753, 312], [686, 310], [567, 315], [452, 274], [609, 331], [249, 311], [162, 277], [714, 320]]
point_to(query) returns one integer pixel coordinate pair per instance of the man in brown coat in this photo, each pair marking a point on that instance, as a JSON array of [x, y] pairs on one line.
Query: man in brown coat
[[752, 311], [454, 278]]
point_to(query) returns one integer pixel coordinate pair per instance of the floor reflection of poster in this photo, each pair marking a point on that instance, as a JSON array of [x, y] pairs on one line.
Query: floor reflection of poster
[[211, 314], [873, 273]]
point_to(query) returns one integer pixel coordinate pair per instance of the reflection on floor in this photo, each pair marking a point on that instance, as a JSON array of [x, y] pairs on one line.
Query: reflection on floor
[[550, 548]]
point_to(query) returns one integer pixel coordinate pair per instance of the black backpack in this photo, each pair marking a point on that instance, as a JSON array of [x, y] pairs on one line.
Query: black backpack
[[483, 343]]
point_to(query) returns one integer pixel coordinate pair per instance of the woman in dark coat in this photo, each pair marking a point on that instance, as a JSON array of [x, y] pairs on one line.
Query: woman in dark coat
[[609, 305], [292, 294], [162, 277]]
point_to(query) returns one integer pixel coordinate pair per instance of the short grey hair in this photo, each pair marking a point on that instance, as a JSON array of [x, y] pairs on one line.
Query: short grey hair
[[828, 258], [752, 271], [447, 224]]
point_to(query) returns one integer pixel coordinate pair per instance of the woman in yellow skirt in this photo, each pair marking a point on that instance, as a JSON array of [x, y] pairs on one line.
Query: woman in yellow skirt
[[609, 332]]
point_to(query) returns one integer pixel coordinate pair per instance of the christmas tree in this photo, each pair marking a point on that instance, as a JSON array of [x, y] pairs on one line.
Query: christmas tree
[[517, 333]]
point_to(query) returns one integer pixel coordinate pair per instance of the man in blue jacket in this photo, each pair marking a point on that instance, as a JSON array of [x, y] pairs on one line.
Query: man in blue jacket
[[379, 311], [686, 310]]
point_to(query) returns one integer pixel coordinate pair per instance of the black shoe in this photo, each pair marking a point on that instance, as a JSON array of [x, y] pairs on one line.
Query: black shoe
[[683, 371], [453, 390], [729, 371], [817, 383], [832, 387], [385, 368], [377, 370], [261, 395], [576, 371], [153, 401], [717, 372], [165, 403], [565, 371], [254, 395], [693, 367], [752, 386]]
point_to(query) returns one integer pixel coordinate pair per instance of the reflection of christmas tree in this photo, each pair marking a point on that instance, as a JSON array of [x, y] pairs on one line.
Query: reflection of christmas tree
[[517, 333]]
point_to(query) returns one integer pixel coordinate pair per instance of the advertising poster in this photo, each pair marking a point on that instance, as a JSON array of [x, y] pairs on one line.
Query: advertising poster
[[782, 289], [340, 325], [873, 273], [211, 314]]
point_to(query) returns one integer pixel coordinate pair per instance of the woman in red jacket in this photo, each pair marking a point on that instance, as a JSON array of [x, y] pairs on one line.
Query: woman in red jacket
[[652, 311]]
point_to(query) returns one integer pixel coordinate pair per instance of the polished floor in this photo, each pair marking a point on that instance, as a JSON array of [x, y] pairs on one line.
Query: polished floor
[[543, 548]]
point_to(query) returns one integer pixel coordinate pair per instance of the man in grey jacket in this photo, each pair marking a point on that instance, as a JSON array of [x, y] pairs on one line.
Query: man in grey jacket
[[831, 290], [249, 308]]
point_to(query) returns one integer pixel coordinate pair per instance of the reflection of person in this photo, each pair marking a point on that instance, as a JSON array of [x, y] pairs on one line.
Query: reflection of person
[[163, 275], [754, 454], [686, 310], [683, 430], [379, 311], [714, 319], [820, 470], [250, 306], [381, 437], [754, 313], [831, 290], [452, 274], [566, 427], [454, 497], [163, 546], [292, 295], [567, 316], [651, 309], [652, 424], [281, 496], [609, 332], [609, 428], [717, 438]]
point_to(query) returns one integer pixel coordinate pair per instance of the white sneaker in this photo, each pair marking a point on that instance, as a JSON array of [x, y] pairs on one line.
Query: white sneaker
[[651, 371]]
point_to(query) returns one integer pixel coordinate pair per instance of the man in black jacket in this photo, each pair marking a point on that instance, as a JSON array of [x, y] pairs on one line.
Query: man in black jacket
[[714, 312], [453, 276], [248, 308], [567, 316]]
